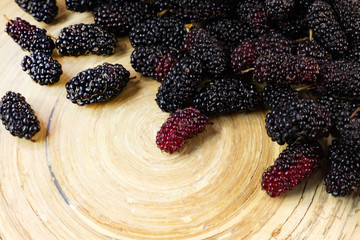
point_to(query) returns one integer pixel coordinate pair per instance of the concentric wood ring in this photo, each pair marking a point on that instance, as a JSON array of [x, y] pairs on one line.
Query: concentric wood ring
[[95, 172]]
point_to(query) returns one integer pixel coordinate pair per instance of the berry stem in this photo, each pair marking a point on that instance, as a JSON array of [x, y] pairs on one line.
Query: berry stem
[[7, 19], [354, 113], [311, 35], [301, 40], [248, 70], [162, 12]]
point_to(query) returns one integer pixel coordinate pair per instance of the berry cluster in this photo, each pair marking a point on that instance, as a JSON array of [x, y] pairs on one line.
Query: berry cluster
[[214, 57]]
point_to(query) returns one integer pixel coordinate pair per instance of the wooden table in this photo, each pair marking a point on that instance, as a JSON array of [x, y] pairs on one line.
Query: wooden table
[[95, 172]]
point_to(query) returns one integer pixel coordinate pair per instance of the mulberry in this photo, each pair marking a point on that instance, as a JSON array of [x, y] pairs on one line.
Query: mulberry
[[82, 39], [230, 31], [158, 31], [41, 10], [349, 14], [119, 16], [179, 86], [339, 78], [299, 121], [202, 46], [179, 127], [327, 31], [279, 9], [83, 5], [295, 164], [226, 95], [278, 96], [29, 37], [286, 69], [97, 84], [253, 13], [245, 54], [18, 116], [344, 174], [42, 68]]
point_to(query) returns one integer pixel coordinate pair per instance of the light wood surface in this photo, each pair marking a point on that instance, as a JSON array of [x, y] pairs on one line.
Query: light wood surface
[[95, 172]]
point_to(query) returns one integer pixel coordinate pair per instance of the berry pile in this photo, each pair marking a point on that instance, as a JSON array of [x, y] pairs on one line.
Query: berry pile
[[297, 58]]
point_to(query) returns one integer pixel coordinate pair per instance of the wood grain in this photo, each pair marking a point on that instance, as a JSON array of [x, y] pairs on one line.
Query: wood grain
[[95, 172]]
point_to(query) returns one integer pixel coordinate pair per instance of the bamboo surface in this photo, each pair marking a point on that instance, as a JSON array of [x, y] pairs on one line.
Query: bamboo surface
[[94, 172]]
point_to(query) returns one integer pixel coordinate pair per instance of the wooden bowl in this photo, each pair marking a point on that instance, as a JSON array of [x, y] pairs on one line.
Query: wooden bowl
[[94, 172]]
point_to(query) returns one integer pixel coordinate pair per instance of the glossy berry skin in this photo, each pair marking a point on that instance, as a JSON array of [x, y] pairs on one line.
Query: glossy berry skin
[[229, 31], [168, 32], [299, 121], [83, 5], [41, 10], [279, 9], [349, 15], [83, 39], [29, 37], [226, 95], [201, 45], [179, 86], [119, 17], [245, 54], [164, 66], [42, 68], [189, 11], [18, 116], [278, 96], [295, 164], [339, 78], [154, 61], [327, 30], [312, 49], [286, 69], [343, 177], [253, 13], [97, 84], [182, 125]]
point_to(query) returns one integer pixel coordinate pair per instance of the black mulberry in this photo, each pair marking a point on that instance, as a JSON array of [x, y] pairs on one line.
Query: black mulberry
[[83, 5], [41, 10], [179, 86], [18, 116], [201, 45], [29, 37], [82, 39], [119, 17], [42, 68], [344, 175], [300, 121], [97, 84], [327, 31], [158, 31], [226, 95], [278, 96]]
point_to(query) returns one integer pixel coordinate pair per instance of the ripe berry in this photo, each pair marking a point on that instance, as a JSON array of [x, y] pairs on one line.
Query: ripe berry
[[82, 39], [97, 84], [41, 10], [295, 164], [29, 37], [42, 68], [18, 116], [179, 127]]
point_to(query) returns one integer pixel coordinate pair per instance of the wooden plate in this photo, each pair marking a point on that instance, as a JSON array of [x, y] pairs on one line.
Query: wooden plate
[[95, 172]]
